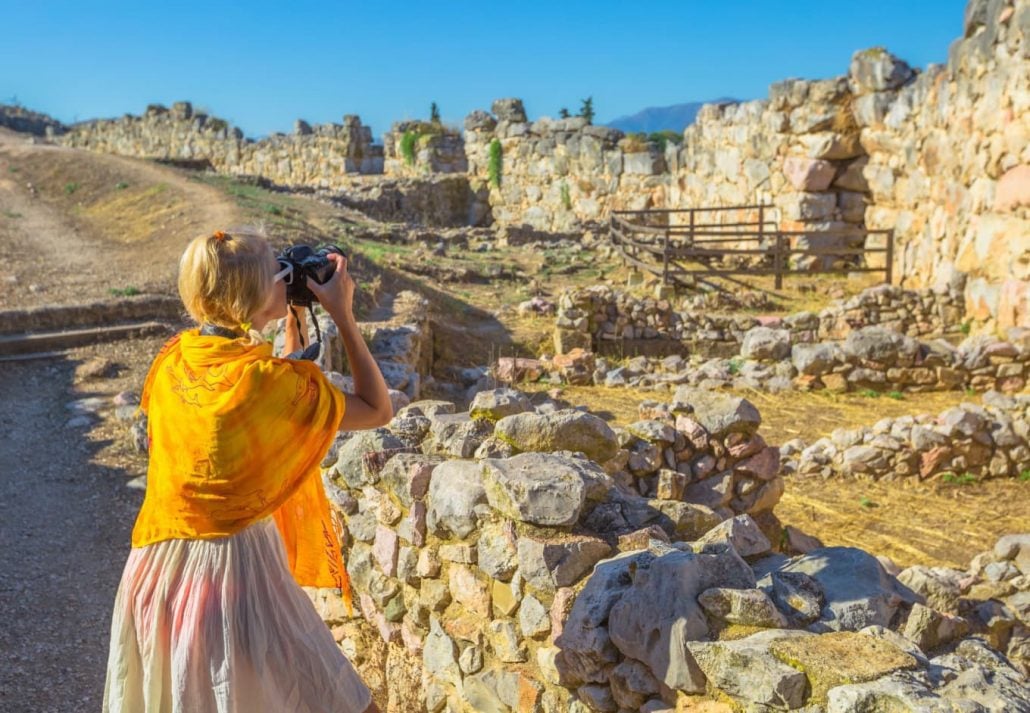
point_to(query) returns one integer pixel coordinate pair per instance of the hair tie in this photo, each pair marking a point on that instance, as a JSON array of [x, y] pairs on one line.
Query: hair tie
[[220, 236]]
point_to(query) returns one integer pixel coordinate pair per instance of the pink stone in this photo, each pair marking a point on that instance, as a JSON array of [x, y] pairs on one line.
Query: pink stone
[[417, 519], [412, 640], [765, 464], [508, 370], [809, 174], [419, 477], [694, 431], [468, 591], [769, 320], [385, 549], [1013, 189], [560, 608]]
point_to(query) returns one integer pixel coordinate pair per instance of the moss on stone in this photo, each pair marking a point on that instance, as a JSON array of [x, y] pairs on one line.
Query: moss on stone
[[840, 658]]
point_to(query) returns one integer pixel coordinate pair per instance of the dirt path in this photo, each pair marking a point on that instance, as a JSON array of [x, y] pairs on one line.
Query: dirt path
[[74, 225], [65, 519]]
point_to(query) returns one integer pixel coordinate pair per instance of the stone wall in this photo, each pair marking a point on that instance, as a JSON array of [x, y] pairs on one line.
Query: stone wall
[[322, 156], [949, 160], [796, 150], [556, 174], [500, 554], [871, 360], [436, 149], [961, 445], [468, 533], [18, 118], [593, 316]]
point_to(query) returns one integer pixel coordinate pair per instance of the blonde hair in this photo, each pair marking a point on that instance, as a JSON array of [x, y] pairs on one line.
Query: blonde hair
[[225, 277]]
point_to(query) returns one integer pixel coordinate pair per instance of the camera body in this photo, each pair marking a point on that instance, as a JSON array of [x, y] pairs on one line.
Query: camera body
[[308, 262]]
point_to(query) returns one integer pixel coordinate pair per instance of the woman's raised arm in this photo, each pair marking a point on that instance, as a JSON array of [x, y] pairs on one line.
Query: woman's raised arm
[[369, 406]]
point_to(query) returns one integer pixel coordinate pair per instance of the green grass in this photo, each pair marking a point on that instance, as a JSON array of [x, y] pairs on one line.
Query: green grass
[[124, 291], [869, 393], [953, 479], [566, 200], [866, 503], [121, 186], [13, 169], [71, 187], [896, 395], [273, 209], [1024, 476], [966, 327], [734, 366], [12, 214]]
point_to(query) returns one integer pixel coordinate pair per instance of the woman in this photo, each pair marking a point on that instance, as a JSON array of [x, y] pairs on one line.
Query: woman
[[209, 616]]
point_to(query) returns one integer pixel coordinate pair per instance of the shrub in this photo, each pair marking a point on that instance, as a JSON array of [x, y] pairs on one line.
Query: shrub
[[563, 113], [664, 138], [121, 186], [866, 502], [434, 113], [635, 143], [966, 327], [566, 199], [1024, 475], [71, 187], [408, 141], [124, 291], [964, 479], [494, 165], [869, 393], [896, 395]]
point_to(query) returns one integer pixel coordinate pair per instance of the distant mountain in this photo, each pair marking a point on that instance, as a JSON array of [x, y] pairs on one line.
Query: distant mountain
[[657, 118]]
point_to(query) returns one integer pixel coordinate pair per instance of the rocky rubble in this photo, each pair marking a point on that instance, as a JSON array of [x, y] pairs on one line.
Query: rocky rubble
[[599, 314], [966, 442]]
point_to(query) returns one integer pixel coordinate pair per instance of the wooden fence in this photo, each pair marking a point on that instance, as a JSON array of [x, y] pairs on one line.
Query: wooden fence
[[651, 241]]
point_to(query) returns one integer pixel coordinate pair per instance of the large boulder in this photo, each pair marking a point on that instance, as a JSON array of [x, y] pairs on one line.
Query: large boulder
[[350, 460], [495, 404], [659, 615], [881, 345], [877, 70], [564, 430], [748, 672], [766, 344], [540, 488], [857, 590], [455, 494], [586, 649], [717, 412]]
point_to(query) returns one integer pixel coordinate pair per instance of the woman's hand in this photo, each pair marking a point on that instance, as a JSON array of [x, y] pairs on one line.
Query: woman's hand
[[338, 290]]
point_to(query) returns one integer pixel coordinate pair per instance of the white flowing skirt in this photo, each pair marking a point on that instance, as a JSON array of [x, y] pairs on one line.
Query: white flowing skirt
[[221, 626]]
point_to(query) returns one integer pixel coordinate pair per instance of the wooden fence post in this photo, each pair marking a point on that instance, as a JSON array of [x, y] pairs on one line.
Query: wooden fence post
[[889, 268], [778, 261]]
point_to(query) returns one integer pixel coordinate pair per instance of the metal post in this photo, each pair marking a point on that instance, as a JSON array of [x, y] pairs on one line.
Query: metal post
[[761, 224]]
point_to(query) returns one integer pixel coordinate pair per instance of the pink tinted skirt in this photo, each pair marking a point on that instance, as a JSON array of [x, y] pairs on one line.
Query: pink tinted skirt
[[221, 626]]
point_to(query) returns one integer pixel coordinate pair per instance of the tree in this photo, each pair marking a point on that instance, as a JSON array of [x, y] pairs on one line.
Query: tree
[[586, 109], [434, 113], [563, 113]]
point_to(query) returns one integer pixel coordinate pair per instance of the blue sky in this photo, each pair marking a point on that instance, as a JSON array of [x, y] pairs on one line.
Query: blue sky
[[261, 65]]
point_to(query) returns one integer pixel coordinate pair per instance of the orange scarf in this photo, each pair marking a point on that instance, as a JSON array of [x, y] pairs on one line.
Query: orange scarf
[[236, 435]]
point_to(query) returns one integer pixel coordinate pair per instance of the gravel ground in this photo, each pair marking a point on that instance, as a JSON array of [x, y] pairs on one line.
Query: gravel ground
[[66, 514]]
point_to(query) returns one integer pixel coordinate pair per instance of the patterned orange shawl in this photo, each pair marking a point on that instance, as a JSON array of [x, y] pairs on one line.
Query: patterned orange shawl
[[235, 435]]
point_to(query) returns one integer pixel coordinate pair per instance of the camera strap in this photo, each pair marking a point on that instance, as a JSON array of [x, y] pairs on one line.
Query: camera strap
[[311, 351]]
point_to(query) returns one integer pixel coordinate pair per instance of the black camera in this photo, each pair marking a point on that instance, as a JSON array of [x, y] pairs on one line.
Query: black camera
[[307, 262]]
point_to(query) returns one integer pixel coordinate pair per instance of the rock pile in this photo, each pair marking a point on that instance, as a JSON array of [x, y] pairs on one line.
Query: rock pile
[[962, 443]]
